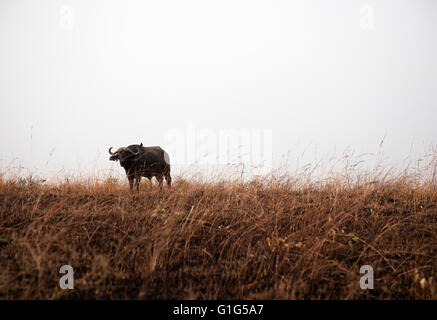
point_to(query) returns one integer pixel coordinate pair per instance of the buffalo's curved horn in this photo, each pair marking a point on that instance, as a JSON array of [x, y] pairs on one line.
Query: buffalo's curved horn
[[112, 153]]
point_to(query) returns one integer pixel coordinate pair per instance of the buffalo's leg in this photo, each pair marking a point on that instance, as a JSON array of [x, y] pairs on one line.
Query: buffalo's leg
[[168, 179], [131, 182], [137, 183], [159, 178]]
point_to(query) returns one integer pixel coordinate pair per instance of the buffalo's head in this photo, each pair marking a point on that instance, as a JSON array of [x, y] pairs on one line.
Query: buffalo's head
[[124, 155]]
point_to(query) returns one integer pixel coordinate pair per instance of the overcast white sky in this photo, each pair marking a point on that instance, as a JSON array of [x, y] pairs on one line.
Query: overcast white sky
[[77, 77]]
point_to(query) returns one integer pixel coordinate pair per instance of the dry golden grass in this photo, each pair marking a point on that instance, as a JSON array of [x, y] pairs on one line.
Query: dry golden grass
[[259, 239]]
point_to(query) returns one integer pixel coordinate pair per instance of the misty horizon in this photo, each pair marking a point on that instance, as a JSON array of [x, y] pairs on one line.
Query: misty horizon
[[320, 79]]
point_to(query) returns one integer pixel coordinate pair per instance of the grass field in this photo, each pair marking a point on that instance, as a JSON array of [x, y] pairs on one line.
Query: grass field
[[259, 239]]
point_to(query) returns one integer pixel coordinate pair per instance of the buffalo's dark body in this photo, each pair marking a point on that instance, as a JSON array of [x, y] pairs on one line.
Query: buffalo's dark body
[[139, 161]]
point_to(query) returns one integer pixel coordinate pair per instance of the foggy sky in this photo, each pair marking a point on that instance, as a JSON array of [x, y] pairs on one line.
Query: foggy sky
[[77, 77]]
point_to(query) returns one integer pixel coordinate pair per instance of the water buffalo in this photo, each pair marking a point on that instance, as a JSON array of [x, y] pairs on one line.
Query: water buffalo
[[139, 161]]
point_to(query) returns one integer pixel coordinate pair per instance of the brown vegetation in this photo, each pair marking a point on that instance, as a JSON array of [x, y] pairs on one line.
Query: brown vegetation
[[260, 239]]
